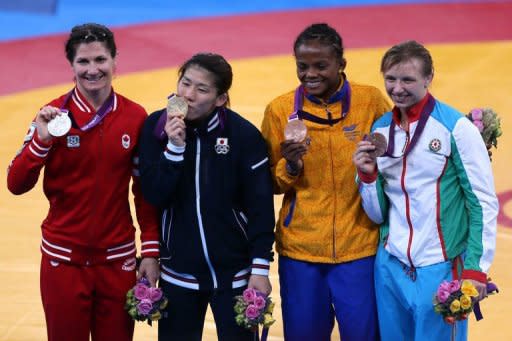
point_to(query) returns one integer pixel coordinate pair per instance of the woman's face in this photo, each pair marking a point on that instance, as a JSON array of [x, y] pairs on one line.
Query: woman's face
[[198, 88], [405, 83], [93, 67], [318, 69]]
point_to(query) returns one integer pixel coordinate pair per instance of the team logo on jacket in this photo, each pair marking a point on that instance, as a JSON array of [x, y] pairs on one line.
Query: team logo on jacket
[[73, 141], [435, 145], [351, 132], [125, 141], [222, 146], [130, 264]]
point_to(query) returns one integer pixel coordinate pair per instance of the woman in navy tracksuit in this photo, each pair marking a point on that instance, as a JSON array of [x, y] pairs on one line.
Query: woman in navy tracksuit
[[209, 173]]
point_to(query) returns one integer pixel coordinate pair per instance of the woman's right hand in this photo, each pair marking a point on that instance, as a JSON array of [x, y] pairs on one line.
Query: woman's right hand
[[363, 161], [175, 129], [293, 152], [45, 115]]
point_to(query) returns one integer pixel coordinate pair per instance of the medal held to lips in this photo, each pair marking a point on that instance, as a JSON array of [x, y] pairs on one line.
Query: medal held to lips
[[295, 130], [177, 105], [60, 125], [380, 143]]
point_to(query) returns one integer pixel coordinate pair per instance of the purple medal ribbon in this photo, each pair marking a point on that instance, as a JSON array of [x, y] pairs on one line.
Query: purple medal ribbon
[[425, 114], [159, 130], [100, 114], [264, 334], [343, 96]]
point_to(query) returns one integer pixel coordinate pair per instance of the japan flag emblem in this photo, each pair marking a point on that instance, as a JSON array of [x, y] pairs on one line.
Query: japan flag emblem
[[222, 146], [125, 141]]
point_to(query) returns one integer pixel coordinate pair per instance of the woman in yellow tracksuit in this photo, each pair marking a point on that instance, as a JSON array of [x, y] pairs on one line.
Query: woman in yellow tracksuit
[[325, 241]]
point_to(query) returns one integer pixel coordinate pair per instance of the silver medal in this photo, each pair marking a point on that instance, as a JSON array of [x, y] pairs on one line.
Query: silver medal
[[60, 125]]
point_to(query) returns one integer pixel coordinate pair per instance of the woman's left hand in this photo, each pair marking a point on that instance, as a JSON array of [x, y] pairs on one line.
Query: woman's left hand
[[480, 287], [260, 283]]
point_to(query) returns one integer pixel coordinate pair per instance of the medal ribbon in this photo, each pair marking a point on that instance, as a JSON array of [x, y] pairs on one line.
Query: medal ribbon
[[100, 114], [343, 96], [425, 114]]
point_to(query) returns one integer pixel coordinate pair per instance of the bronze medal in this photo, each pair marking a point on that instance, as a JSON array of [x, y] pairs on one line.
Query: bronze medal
[[177, 105], [295, 130], [380, 143]]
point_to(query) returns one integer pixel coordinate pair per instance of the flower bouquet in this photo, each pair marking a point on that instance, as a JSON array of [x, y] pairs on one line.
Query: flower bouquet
[[144, 302], [253, 308], [488, 123], [455, 300]]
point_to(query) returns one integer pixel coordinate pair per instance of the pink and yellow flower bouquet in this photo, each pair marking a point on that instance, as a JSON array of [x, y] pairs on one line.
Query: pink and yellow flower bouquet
[[454, 300]]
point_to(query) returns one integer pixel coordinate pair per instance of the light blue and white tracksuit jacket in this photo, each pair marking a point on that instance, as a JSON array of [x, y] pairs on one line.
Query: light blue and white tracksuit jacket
[[439, 200]]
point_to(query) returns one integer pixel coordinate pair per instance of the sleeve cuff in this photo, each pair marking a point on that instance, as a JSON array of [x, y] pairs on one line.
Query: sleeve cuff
[[291, 171], [38, 147], [150, 248], [174, 153], [367, 178], [260, 266], [475, 275]]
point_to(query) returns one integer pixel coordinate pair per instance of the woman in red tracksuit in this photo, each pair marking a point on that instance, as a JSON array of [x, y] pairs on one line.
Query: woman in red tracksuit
[[88, 238]]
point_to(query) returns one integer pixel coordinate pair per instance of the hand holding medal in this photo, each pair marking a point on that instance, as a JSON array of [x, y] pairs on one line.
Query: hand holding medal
[[177, 109], [295, 145]]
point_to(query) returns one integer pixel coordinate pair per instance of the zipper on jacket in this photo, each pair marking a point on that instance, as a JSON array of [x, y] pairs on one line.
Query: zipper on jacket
[[198, 211], [329, 113], [97, 199], [407, 206], [334, 196]]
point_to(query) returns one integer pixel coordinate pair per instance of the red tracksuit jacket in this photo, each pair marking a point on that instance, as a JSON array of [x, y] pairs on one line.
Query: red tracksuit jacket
[[86, 180]]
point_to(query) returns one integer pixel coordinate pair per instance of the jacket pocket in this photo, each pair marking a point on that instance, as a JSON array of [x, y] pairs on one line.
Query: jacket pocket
[[167, 231], [241, 222]]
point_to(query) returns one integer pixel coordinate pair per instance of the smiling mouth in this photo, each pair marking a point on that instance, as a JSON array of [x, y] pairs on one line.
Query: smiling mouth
[[400, 98], [93, 78], [312, 84]]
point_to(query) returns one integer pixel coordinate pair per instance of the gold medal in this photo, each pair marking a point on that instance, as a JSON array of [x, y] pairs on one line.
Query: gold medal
[[60, 125], [177, 105], [380, 143], [295, 130]]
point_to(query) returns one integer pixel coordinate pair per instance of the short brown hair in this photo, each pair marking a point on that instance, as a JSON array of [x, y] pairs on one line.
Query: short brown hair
[[406, 51]]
